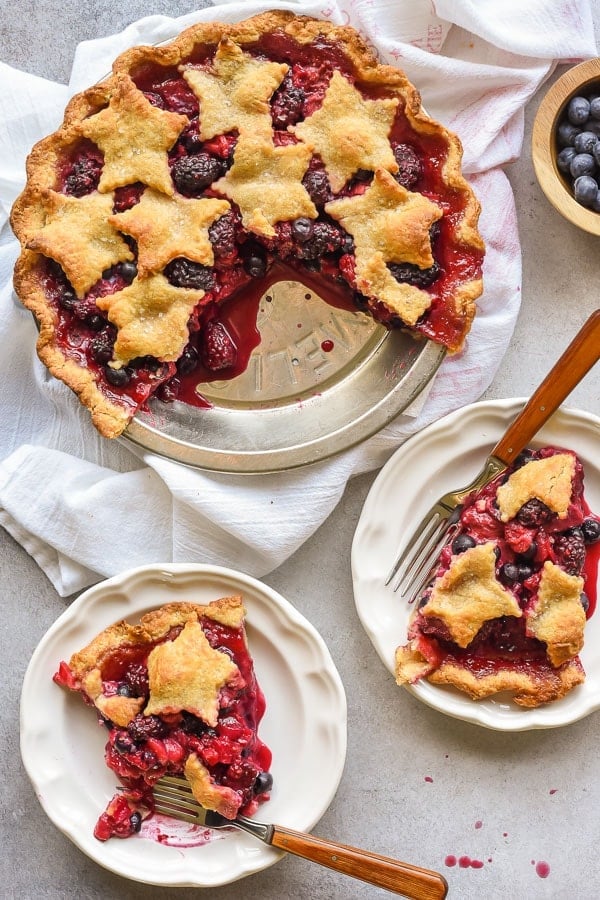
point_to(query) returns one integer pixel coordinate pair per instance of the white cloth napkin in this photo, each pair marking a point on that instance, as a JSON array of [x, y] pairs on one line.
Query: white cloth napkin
[[86, 508]]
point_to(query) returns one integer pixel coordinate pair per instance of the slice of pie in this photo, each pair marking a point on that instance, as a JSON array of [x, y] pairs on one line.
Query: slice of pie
[[507, 605], [236, 156], [178, 695]]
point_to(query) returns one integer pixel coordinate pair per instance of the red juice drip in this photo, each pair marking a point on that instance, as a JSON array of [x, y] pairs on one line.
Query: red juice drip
[[542, 869]]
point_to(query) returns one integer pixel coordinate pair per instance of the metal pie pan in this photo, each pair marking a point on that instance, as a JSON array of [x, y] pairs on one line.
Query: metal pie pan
[[322, 380]]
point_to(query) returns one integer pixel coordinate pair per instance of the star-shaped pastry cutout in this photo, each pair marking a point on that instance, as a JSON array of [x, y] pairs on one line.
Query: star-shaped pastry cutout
[[151, 316], [168, 227], [557, 617], [389, 225], [469, 594], [235, 94], [187, 674], [135, 137], [349, 133], [266, 183], [77, 235], [549, 480]]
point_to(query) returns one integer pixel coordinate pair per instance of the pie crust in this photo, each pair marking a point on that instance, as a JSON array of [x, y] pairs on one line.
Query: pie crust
[[178, 695], [248, 129], [506, 607]]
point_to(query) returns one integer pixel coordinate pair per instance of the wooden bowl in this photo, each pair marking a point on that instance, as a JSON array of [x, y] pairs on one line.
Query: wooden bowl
[[578, 80]]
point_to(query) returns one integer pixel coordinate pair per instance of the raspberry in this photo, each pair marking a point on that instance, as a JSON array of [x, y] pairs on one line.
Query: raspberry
[[411, 274], [410, 166], [570, 550], [534, 513], [184, 273], [192, 174], [126, 197], [217, 349], [178, 97], [83, 176]]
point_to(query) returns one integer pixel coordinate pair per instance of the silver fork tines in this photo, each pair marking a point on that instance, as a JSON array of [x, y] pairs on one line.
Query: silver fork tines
[[415, 565]]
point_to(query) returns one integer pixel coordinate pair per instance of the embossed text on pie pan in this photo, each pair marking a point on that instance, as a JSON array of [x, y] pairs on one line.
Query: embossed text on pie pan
[[321, 380]]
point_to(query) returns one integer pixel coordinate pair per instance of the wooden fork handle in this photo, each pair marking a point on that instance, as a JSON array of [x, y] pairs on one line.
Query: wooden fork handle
[[399, 877], [579, 357]]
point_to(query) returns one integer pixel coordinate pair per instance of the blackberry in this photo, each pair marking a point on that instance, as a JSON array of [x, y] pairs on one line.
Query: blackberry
[[287, 103], [143, 727], [410, 166], [317, 184], [411, 274], [192, 174], [217, 348], [83, 177], [222, 235], [184, 273], [136, 677], [326, 238], [534, 513], [570, 549]]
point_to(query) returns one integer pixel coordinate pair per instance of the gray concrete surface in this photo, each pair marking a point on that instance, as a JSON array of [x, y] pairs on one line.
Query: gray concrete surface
[[507, 799]]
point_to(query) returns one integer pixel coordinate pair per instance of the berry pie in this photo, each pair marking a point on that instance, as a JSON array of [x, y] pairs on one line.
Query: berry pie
[[177, 694], [515, 583], [272, 149]]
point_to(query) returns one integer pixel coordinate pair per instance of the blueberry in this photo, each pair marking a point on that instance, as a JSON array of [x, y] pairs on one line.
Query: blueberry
[[128, 271], [263, 783], [255, 263], [135, 821], [585, 189], [102, 349], [595, 108], [188, 360], [565, 158], [590, 529], [117, 377], [566, 134], [96, 322], [123, 743], [525, 572], [509, 573], [578, 110], [462, 542], [585, 602], [582, 164], [595, 204], [302, 229], [585, 141], [124, 690], [529, 554]]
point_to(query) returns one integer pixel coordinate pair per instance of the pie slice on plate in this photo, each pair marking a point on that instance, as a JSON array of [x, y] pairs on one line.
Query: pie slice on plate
[[236, 156], [177, 694], [507, 605]]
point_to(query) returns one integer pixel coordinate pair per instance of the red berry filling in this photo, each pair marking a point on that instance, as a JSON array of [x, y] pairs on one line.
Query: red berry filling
[[152, 746], [523, 545], [304, 249]]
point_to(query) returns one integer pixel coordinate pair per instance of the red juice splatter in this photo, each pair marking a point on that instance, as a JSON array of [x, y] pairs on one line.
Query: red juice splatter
[[478, 824], [553, 790], [450, 860], [429, 779], [542, 869], [327, 346]]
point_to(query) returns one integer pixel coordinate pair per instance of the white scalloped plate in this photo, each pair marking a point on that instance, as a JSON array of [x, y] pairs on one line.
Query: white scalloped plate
[[444, 456], [304, 725]]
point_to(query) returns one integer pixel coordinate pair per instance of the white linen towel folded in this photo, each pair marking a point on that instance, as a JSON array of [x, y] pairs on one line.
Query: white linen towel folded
[[86, 508]]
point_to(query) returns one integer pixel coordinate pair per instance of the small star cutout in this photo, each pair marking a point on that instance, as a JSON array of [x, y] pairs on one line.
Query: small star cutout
[[236, 94], [168, 227], [152, 317], [469, 594], [187, 674], [389, 224], [135, 137], [266, 183], [77, 235], [349, 133]]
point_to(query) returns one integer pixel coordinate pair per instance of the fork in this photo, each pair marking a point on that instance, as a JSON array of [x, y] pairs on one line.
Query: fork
[[414, 565], [173, 797]]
